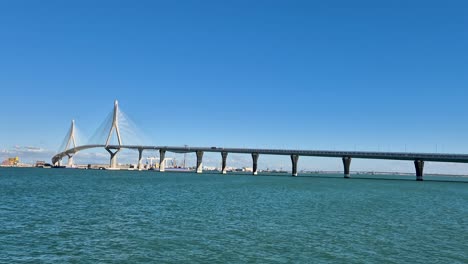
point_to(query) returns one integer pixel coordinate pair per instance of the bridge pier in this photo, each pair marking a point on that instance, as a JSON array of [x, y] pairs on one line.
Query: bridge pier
[[140, 158], [254, 163], [294, 160], [199, 161], [162, 164], [346, 165], [113, 158], [419, 165], [223, 164], [70, 160]]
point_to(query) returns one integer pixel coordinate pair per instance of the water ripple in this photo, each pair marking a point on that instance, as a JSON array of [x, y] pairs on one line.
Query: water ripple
[[56, 216]]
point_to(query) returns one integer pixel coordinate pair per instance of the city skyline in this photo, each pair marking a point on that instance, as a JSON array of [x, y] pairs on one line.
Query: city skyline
[[265, 75]]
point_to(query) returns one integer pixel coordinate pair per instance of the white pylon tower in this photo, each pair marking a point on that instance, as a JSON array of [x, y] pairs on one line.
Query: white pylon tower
[[70, 142], [115, 125], [71, 138]]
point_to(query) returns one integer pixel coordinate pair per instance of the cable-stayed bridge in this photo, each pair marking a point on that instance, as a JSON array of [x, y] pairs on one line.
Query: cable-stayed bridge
[[71, 148]]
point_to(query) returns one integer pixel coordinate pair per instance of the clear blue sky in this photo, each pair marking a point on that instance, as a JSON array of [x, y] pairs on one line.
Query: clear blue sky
[[363, 75]]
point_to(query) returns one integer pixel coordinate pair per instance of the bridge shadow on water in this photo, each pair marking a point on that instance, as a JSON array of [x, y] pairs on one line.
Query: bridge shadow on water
[[409, 179], [371, 178], [453, 179]]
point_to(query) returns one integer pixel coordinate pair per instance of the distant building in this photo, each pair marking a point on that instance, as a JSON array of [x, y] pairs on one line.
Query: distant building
[[11, 161], [40, 163]]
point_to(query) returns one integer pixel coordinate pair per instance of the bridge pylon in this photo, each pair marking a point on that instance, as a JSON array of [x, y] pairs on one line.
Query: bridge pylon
[[114, 126], [71, 139], [71, 142]]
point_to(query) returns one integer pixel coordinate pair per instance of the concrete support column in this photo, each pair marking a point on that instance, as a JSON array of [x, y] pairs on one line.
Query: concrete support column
[[254, 163], [346, 164], [140, 158], [70, 160], [223, 164], [199, 161], [113, 158], [419, 165], [162, 163], [294, 159]]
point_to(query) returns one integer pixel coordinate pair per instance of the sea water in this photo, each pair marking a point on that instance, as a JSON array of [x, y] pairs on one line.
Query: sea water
[[90, 216]]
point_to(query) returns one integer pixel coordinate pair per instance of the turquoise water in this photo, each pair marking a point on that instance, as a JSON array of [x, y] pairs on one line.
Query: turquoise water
[[60, 215]]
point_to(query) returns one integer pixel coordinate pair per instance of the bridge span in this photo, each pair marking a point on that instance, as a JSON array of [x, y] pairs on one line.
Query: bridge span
[[346, 156], [71, 149]]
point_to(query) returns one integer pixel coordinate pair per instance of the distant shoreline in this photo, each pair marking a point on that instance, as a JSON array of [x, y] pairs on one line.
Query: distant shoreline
[[369, 173]]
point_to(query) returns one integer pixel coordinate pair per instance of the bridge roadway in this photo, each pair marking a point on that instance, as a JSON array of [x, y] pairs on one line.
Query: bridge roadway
[[346, 156]]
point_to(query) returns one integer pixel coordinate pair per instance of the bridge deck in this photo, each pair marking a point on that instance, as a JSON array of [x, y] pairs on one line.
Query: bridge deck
[[437, 157]]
